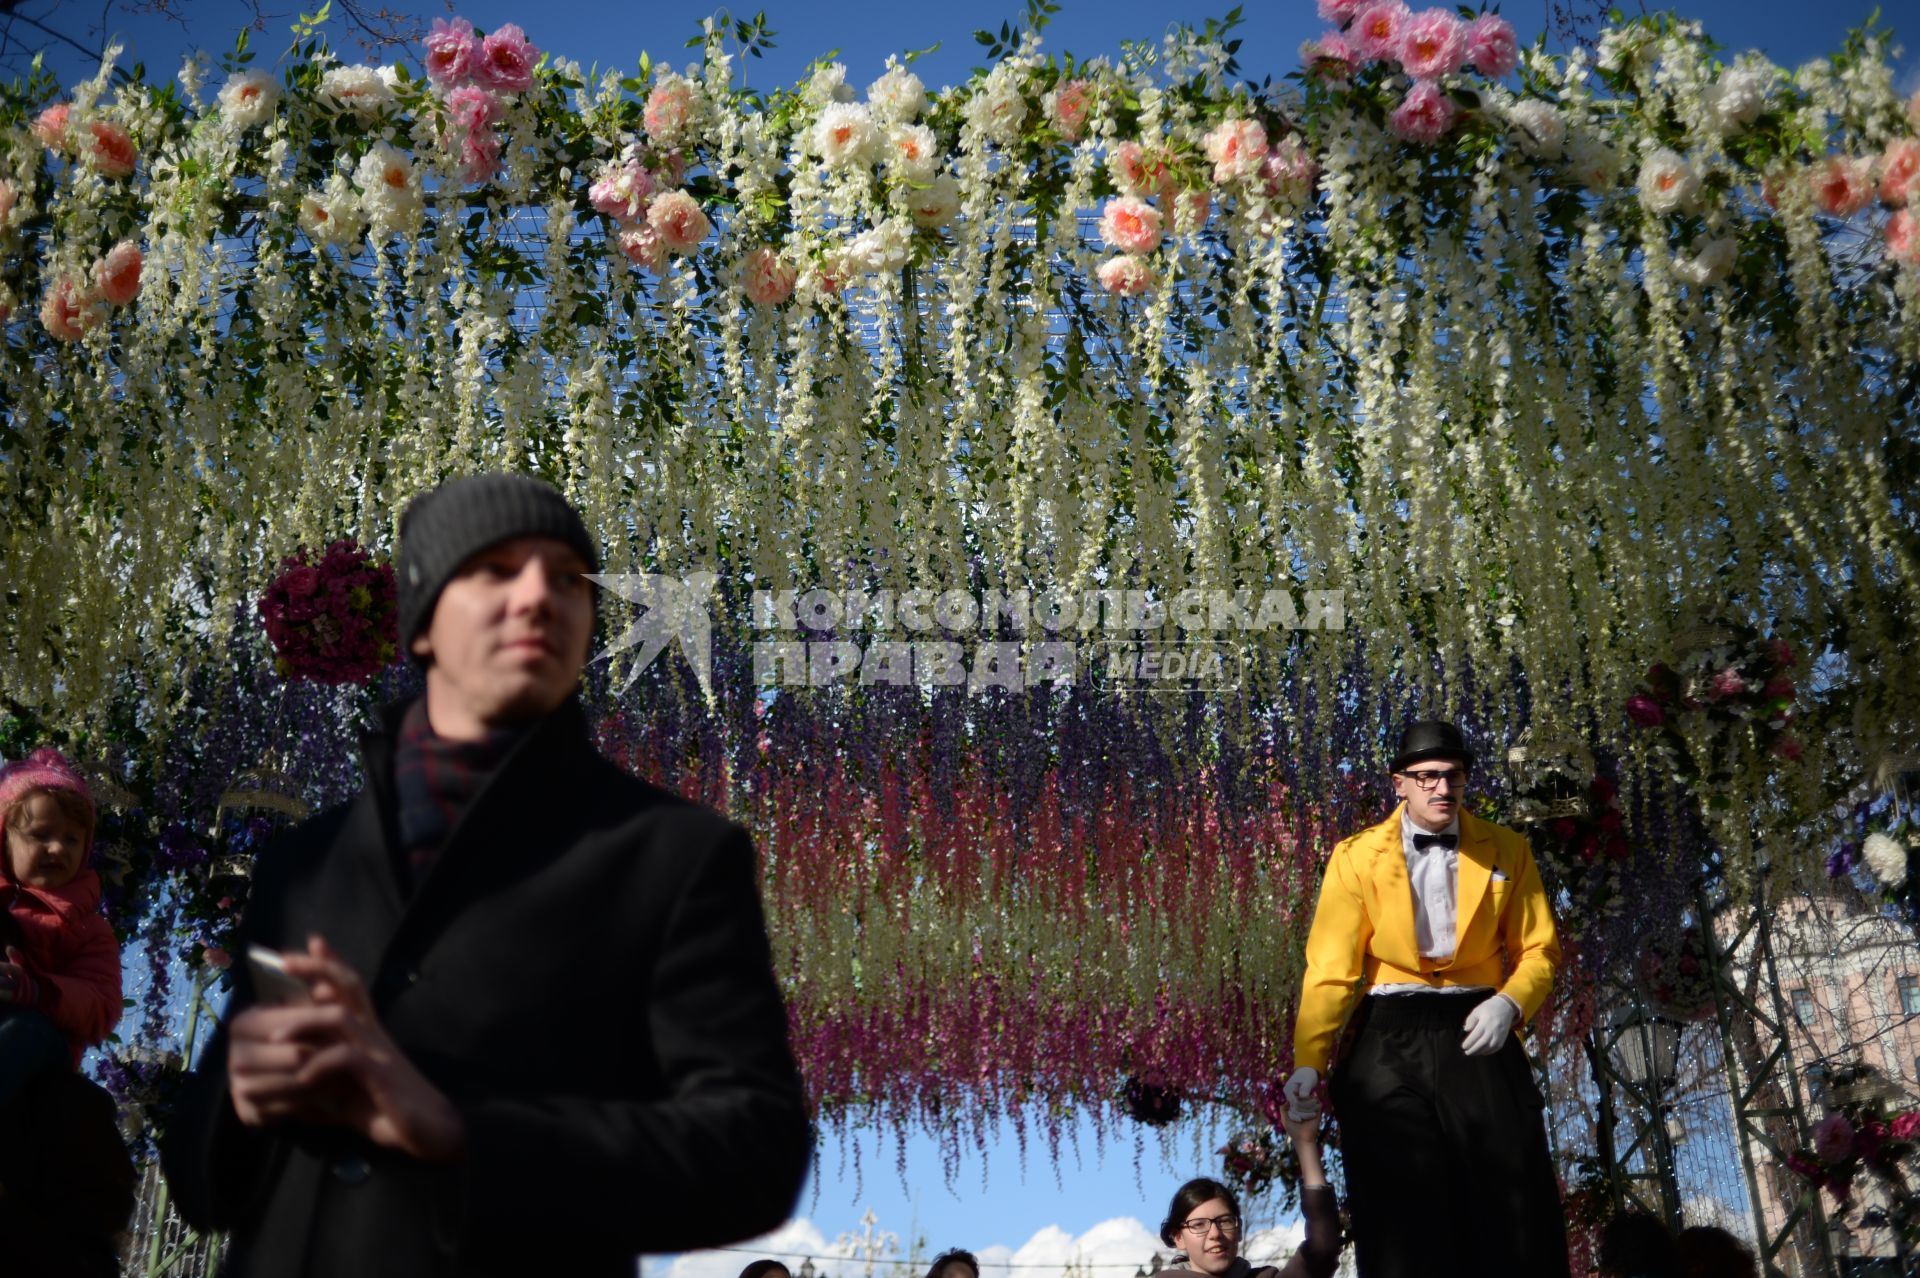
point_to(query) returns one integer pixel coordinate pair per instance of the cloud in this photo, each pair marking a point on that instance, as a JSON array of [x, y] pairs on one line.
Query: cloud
[[1111, 1249]]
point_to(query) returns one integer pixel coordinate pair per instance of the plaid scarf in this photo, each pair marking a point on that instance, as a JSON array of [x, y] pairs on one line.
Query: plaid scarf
[[434, 780]]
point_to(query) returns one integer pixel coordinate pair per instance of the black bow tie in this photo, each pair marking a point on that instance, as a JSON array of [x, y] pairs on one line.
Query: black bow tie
[[1421, 842]]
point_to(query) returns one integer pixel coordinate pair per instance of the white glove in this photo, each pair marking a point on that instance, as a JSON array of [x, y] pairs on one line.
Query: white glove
[[1488, 1026], [1301, 1102]]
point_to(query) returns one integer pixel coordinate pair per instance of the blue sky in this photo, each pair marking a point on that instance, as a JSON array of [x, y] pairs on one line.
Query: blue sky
[[1007, 1205]]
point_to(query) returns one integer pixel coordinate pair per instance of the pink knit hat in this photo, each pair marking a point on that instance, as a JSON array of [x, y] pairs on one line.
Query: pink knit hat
[[44, 769]]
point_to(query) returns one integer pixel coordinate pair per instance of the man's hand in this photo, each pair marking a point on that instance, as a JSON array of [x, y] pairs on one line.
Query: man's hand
[[331, 1061], [1299, 1090], [1488, 1026]]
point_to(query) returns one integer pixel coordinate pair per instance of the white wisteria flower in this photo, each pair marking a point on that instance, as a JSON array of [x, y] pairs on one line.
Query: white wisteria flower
[[1710, 263], [1737, 98], [1541, 129], [1668, 184], [897, 96], [331, 216], [1594, 161], [935, 205], [390, 193], [886, 247], [358, 89], [1886, 857], [999, 108], [844, 136], [247, 98]]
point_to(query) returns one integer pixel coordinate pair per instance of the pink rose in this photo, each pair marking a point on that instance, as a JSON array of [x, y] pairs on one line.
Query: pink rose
[[1072, 103], [1136, 170], [1906, 1126], [642, 247], [50, 126], [1779, 686], [668, 107], [676, 218], [472, 108], [1645, 711], [9, 196], [622, 191], [1330, 58], [216, 958], [1376, 28], [1130, 225], [479, 156], [67, 313], [766, 279], [1339, 12], [1903, 244], [1289, 171], [506, 60], [108, 149], [1727, 683], [117, 275], [1899, 171], [450, 51], [1491, 46], [1125, 276], [1432, 44], [1424, 116], [1236, 148], [1843, 185], [1833, 1139]]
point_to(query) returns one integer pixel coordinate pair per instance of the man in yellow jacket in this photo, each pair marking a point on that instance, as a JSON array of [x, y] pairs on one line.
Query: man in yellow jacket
[[1432, 942]]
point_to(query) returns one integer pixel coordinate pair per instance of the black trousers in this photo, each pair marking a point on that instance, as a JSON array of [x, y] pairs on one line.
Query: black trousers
[[1446, 1157]]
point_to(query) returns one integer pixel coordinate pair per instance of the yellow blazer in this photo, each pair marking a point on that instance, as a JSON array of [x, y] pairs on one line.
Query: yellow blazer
[[1363, 933]]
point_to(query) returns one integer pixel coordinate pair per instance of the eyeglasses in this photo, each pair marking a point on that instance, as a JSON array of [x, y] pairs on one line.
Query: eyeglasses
[[1229, 1226], [1428, 780]]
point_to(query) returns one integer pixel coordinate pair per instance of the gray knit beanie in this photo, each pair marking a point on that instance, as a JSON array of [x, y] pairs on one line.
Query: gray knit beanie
[[446, 526]]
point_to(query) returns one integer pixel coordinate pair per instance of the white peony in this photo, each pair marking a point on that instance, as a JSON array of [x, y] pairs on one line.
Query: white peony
[[829, 85], [844, 136], [390, 193], [912, 152], [1541, 130], [898, 95], [1668, 184], [1711, 263], [331, 215], [361, 90], [998, 109], [886, 247], [1886, 856], [1594, 161], [1736, 99], [247, 99], [935, 205]]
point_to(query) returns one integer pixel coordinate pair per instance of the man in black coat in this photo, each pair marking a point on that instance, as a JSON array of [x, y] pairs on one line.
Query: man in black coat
[[541, 1032]]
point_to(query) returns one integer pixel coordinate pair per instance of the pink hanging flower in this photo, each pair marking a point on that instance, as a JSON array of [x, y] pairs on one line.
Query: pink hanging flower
[[1491, 46], [766, 279], [1645, 711], [1125, 276], [1899, 172], [472, 108], [49, 128], [116, 277], [1843, 185], [622, 191], [1072, 104], [668, 108], [108, 149], [69, 314], [642, 247], [1289, 171], [1376, 29], [1424, 116], [450, 51], [1236, 148], [1903, 238], [676, 218], [1727, 683], [1330, 58], [1905, 1126], [1339, 12], [1130, 225], [1136, 170], [479, 156], [1432, 44], [506, 60], [1833, 1139]]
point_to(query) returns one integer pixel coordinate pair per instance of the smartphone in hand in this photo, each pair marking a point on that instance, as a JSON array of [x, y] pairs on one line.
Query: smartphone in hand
[[273, 985]]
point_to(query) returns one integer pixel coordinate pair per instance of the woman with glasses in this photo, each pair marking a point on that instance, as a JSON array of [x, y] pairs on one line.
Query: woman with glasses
[[1204, 1222]]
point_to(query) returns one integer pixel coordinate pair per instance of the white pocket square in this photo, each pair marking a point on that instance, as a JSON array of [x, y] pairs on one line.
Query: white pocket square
[[1498, 877]]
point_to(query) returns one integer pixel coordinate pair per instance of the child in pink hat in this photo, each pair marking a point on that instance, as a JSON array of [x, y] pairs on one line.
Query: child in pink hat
[[60, 980]]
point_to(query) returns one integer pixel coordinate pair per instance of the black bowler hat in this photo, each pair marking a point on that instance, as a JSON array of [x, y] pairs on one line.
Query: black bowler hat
[[1431, 739]]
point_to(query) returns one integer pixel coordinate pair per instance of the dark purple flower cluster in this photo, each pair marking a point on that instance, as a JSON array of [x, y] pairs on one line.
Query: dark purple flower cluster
[[1150, 1100], [332, 619], [178, 850]]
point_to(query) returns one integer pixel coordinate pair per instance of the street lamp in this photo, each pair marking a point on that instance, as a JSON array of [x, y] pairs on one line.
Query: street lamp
[[1645, 1050]]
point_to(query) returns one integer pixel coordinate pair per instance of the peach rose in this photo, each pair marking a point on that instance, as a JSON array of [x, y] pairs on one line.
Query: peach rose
[[68, 313], [108, 149], [1131, 225], [1843, 185], [1899, 170], [1125, 276], [117, 275], [50, 126], [766, 279], [676, 218]]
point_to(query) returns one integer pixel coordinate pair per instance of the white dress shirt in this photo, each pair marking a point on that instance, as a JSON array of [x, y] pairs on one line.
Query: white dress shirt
[[1433, 874]]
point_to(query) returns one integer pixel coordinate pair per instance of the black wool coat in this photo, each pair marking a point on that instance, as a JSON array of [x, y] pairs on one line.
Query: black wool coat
[[584, 971]]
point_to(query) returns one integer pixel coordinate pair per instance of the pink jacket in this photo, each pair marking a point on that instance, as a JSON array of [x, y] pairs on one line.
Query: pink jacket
[[72, 953]]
